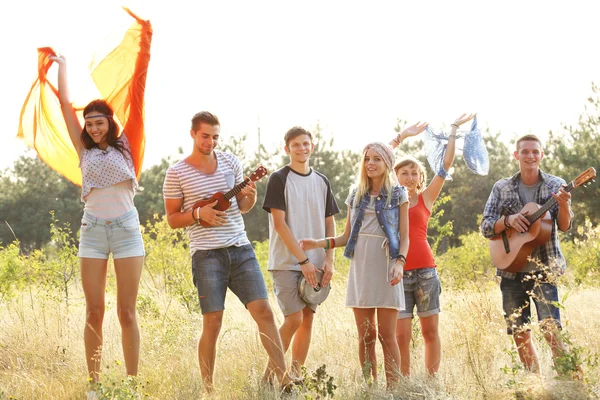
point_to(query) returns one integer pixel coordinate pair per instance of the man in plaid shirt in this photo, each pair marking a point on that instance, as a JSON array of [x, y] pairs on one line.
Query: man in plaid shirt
[[537, 279]]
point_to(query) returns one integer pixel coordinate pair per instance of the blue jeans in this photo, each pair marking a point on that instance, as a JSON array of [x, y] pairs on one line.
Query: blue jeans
[[231, 267], [516, 301]]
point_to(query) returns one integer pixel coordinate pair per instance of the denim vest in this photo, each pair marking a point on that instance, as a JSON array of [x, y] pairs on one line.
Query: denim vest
[[387, 216]]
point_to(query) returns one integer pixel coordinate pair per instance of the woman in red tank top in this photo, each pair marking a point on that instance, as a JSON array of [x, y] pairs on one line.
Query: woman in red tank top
[[421, 282]]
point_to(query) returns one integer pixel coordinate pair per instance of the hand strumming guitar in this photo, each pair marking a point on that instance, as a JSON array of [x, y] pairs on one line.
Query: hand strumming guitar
[[209, 215]]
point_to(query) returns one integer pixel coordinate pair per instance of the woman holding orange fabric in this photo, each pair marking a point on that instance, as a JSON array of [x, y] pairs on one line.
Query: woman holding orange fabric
[[421, 282], [110, 223]]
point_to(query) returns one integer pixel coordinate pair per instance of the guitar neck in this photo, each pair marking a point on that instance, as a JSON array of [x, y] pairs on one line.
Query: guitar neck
[[236, 189], [547, 205]]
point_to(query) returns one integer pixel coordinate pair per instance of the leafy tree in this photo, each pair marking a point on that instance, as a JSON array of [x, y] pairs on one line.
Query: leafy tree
[[149, 198], [28, 192], [573, 151]]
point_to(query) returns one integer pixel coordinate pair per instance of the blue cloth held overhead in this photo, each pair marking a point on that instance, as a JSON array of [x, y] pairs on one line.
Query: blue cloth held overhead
[[473, 149]]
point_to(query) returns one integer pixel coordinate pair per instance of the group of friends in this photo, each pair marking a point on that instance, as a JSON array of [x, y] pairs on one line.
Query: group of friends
[[392, 267]]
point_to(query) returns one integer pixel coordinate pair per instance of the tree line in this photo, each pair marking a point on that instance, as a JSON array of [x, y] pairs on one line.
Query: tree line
[[30, 190]]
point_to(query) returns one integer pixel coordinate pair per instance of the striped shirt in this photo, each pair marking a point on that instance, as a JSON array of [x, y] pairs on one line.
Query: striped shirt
[[185, 182], [505, 199]]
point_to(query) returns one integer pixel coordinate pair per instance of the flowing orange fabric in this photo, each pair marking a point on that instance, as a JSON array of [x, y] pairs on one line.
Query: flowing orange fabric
[[120, 77]]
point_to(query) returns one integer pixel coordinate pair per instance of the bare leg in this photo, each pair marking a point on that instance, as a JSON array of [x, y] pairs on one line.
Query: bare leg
[[433, 345], [367, 332], [302, 339], [93, 280], [527, 352], [559, 348], [269, 336], [386, 321], [207, 346], [128, 272], [404, 336], [290, 325]]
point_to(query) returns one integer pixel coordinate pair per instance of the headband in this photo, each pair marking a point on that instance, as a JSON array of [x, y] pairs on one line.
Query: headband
[[98, 116]]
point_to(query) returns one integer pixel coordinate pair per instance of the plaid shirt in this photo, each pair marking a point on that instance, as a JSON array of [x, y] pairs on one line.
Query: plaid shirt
[[505, 199]]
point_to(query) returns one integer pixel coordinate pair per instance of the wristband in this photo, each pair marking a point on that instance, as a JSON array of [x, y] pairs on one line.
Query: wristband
[[194, 215], [304, 262], [506, 224], [442, 173], [401, 257], [454, 125], [329, 243]]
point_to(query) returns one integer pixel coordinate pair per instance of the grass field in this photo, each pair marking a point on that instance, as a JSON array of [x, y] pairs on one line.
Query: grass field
[[42, 353]]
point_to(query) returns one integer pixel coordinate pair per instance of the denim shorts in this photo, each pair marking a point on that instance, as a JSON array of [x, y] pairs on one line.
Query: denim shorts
[[516, 301], [422, 288], [231, 267], [120, 236], [285, 283]]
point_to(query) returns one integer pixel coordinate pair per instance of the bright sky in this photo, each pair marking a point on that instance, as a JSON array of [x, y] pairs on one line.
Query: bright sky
[[523, 66]]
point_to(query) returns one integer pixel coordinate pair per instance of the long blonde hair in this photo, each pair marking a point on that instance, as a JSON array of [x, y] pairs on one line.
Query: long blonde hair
[[414, 163], [362, 184]]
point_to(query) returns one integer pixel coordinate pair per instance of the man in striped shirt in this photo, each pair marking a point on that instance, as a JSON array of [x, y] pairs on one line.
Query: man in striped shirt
[[222, 256]]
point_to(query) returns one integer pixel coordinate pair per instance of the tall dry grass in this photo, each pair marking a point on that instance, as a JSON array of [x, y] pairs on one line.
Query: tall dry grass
[[42, 354], [42, 314]]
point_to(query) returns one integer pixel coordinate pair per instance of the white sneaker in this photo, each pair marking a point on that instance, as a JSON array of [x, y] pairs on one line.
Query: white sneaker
[[92, 395]]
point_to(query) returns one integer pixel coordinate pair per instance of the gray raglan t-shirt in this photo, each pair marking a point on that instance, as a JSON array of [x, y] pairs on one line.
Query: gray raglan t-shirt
[[307, 200]]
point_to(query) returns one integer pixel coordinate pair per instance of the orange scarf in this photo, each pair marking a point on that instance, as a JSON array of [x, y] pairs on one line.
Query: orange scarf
[[121, 80]]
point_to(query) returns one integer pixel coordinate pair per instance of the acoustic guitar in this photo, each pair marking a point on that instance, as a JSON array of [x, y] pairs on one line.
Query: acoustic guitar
[[511, 249], [222, 199]]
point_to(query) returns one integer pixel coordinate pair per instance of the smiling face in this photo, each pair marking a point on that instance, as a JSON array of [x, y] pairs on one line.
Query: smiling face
[[299, 149], [410, 177], [374, 165], [206, 138], [529, 154], [97, 126]]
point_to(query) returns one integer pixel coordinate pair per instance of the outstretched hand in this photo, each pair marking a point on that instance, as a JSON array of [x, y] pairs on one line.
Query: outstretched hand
[[58, 58], [412, 130], [308, 244], [463, 118]]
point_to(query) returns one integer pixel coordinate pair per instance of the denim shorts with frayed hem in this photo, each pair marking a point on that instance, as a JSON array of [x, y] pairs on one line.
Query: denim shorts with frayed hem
[[516, 301], [422, 288], [120, 236], [231, 267]]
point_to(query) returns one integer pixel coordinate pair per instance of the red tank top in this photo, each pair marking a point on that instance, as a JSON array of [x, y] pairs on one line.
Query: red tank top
[[419, 251]]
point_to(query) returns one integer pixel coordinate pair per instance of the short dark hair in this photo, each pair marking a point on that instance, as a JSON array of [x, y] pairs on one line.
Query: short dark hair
[[204, 117], [294, 133], [529, 137]]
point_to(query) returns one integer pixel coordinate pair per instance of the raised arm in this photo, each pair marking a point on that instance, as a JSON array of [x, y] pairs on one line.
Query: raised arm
[[432, 191], [412, 130], [71, 120]]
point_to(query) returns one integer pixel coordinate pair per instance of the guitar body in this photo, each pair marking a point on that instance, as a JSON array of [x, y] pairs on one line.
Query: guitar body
[[222, 205], [521, 245]]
